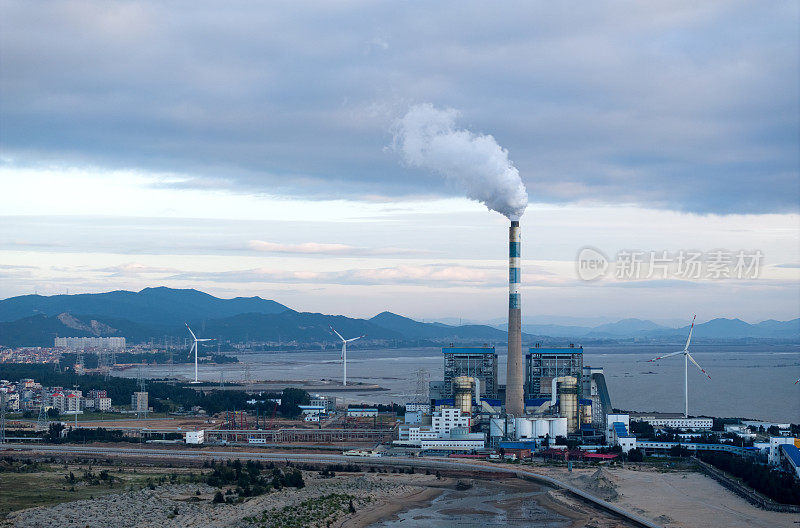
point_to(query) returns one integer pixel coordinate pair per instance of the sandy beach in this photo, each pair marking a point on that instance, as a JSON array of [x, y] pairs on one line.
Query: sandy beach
[[673, 499]]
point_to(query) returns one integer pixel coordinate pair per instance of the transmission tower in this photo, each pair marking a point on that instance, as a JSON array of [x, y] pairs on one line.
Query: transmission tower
[[142, 388], [171, 368], [79, 368], [2, 417], [221, 378], [247, 379], [43, 423], [423, 382]]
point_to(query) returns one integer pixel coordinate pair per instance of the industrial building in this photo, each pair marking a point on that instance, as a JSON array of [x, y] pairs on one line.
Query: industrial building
[[543, 364], [673, 420], [617, 427], [446, 430], [595, 390], [479, 363], [362, 412]]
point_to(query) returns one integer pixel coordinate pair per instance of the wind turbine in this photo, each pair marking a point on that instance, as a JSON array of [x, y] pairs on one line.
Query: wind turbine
[[194, 347], [686, 359], [344, 354]]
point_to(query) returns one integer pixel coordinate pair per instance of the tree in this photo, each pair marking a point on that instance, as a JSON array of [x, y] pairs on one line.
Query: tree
[[53, 413], [219, 498], [54, 433], [773, 430], [678, 451], [635, 455]]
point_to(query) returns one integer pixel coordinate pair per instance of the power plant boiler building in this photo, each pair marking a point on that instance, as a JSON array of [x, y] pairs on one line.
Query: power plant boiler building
[[479, 363], [544, 364]]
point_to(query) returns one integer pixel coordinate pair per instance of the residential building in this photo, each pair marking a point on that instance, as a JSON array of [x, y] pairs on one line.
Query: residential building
[[102, 404]]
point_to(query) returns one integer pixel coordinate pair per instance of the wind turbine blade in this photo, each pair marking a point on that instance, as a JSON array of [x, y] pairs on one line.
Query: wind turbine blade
[[691, 329], [203, 340], [666, 356], [798, 381], [354, 338], [697, 365], [337, 333], [191, 349], [190, 331]]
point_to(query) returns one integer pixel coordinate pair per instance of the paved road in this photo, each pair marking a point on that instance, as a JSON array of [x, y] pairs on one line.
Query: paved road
[[422, 463]]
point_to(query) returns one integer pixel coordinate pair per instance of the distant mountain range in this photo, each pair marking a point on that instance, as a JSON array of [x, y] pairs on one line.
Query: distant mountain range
[[156, 313], [150, 306], [638, 328]]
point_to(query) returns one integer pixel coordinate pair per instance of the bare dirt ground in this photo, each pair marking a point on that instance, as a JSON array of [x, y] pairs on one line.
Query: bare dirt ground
[[673, 499]]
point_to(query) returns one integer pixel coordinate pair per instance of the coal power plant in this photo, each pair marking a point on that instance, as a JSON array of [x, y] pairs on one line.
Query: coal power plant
[[549, 395]]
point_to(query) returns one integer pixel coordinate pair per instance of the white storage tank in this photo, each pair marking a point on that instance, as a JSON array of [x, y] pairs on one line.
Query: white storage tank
[[541, 428], [523, 428], [558, 427]]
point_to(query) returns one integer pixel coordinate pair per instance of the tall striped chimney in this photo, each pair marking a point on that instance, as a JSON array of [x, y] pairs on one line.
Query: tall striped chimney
[[515, 403]]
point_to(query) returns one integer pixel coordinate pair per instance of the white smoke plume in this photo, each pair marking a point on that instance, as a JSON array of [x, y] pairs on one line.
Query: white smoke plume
[[427, 138]]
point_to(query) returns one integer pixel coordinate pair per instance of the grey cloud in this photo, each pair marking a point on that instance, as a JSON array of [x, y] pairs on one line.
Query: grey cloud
[[681, 105]]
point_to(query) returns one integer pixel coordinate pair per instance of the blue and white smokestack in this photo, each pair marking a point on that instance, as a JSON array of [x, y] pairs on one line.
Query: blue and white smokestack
[[515, 404]]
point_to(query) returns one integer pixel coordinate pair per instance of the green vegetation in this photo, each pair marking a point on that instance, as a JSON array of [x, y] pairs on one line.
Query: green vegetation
[[252, 479], [775, 484], [317, 512], [27, 484]]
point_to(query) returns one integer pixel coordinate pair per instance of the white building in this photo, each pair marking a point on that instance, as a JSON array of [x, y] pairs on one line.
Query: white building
[[311, 413], [448, 418], [674, 422], [361, 412], [451, 444], [72, 403], [617, 432], [775, 443], [102, 404], [56, 401], [81, 343], [449, 431], [195, 437], [327, 402], [425, 408]]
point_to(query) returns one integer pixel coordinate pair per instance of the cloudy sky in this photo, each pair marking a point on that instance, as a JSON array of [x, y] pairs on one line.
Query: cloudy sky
[[248, 149]]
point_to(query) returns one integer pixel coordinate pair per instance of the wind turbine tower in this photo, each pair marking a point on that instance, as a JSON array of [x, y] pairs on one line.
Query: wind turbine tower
[[344, 353], [194, 347], [686, 359]]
